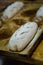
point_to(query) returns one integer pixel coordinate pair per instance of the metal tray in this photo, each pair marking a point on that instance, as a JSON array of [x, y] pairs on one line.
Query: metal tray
[[25, 58]]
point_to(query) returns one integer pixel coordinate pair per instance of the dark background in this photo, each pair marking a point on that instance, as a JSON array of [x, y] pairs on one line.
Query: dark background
[[4, 60]]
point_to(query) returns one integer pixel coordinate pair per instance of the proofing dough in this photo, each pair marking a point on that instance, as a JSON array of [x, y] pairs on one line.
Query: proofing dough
[[22, 36], [11, 10]]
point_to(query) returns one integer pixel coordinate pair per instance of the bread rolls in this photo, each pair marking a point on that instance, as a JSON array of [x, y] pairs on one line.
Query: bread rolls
[[39, 14], [21, 38], [11, 10]]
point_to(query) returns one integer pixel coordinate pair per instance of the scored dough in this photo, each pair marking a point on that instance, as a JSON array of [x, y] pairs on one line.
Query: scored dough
[[11, 10], [22, 36]]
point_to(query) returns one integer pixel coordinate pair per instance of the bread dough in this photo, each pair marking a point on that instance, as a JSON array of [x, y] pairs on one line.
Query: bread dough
[[21, 38]]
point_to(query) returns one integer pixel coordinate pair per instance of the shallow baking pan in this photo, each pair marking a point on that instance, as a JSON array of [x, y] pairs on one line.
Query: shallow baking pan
[[25, 58]]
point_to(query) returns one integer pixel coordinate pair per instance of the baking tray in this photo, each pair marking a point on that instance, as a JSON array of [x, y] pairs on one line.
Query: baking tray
[[24, 58]]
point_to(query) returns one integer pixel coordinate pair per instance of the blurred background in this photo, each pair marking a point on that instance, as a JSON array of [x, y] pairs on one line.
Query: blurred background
[[7, 2]]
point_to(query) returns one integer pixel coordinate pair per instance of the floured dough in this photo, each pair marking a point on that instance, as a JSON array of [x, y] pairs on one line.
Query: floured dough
[[22, 36], [11, 10], [39, 15]]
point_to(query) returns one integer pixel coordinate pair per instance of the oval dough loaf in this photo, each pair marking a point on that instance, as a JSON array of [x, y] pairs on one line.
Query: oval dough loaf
[[39, 14], [21, 38], [11, 10]]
